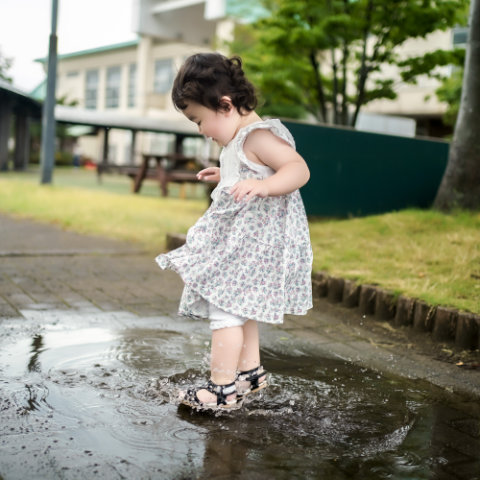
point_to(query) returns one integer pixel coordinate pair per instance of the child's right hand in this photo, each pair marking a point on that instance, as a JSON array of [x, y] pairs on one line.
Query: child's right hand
[[210, 174]]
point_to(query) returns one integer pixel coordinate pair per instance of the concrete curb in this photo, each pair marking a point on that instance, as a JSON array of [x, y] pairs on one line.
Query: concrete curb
[[443, 324]]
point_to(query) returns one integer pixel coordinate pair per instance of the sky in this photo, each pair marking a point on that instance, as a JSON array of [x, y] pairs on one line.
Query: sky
[[25, 29]]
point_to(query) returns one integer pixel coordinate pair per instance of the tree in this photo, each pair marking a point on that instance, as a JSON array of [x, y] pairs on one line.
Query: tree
[[328, 56], [5, 65], [460, 186]]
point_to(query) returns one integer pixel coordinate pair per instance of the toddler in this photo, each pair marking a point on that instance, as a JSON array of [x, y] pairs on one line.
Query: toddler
[[248, 259]]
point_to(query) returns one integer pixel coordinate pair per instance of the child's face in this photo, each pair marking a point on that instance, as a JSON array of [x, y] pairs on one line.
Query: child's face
[[220, 126]]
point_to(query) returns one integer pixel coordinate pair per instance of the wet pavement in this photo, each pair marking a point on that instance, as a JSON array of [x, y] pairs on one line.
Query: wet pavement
[[92, 355]]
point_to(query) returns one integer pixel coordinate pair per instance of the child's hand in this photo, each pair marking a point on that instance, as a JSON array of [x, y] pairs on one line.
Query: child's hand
[[210, 174], [247, 189]]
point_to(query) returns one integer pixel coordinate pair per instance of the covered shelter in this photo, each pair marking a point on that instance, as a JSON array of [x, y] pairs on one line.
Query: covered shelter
[[16, 106], [181, 128], [169, 167], [19, 107]]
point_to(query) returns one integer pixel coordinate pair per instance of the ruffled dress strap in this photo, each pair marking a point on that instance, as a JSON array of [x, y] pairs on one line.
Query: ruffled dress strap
[[275, 126]]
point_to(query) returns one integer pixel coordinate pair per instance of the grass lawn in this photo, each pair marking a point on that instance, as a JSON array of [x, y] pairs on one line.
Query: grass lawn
[[423, 254], [76, 201]]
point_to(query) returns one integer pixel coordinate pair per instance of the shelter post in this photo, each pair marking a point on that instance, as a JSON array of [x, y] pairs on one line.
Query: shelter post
[[5, 123], [133, 146], [22, 141]]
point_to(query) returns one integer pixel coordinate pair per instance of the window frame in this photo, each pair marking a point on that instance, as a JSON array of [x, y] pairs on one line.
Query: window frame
[[132, 85], [113, 85], [91, 88], [163, 85]]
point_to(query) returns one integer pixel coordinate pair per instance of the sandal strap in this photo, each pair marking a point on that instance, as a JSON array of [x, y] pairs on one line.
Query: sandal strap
[[252, 375], [221, 391], [191, 396]]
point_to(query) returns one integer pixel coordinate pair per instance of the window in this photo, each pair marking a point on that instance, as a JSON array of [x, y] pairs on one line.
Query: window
[[132, 84], [112, 95], [163, 76], [460, 36], [91, 89]]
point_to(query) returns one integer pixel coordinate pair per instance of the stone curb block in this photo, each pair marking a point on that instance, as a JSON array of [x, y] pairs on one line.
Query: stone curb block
[[443, 323], [335, 289], [175, 240], [385, 305], [351, 294], [404, 314], [467, 334], [366, 303], [319, 284], [423, 315]]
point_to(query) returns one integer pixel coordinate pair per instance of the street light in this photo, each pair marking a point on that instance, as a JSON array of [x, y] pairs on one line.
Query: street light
[[47, 155]]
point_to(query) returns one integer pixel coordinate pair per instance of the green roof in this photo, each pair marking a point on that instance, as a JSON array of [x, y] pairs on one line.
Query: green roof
[[247, 10], [40, 91], [92, 51]]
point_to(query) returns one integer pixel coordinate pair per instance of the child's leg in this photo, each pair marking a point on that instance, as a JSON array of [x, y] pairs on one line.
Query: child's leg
[[250, 355], [226, 347], [249, 360]]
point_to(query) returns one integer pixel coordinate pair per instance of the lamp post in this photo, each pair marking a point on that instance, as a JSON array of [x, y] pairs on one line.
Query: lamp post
[[47, 156]]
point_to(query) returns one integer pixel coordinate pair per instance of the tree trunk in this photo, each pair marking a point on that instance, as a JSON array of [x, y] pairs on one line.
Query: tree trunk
[[344, 85], [319, 85], [460, 186], [336, 119], [363, 69], [345, 55]]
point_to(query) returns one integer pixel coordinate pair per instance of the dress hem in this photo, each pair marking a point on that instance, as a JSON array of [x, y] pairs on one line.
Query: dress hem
[[165, 263]]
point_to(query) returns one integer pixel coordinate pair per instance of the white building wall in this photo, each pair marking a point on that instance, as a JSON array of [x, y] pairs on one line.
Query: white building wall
[[189, 21], [420, 98], [74, 87]]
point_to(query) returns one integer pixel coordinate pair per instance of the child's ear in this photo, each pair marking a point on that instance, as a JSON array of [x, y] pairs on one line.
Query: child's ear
[[226, 104]]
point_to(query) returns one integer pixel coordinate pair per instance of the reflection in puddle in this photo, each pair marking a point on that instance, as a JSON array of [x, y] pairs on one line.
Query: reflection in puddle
[[37, 349], [79, 400]]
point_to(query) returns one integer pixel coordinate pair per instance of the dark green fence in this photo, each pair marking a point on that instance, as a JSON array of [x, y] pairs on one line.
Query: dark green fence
[[357, 173]]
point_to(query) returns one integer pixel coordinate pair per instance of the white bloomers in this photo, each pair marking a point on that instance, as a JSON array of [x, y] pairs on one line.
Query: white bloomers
[[221, 319]]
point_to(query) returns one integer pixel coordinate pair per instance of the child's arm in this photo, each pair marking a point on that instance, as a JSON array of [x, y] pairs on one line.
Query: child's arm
[[210, 174], [291, 171]]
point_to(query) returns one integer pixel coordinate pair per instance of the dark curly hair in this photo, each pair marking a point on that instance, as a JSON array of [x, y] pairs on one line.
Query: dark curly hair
[[205, 78]]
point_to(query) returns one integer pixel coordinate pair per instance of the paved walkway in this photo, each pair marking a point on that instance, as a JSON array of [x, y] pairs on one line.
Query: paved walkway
[[43, 268]]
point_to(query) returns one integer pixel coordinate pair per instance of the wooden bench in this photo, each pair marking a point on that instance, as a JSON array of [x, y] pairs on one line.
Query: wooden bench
[[169, 168]]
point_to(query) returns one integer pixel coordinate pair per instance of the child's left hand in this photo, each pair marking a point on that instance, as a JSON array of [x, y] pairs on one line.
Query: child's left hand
[[247, 189]]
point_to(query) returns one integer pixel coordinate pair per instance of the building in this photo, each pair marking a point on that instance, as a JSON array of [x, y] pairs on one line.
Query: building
[[126, 80]]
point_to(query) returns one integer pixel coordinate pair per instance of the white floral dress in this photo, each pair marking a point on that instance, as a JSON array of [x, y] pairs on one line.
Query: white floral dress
[[252, 259]]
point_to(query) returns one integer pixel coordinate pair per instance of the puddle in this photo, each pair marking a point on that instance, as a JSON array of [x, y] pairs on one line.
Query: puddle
[[95, 397]]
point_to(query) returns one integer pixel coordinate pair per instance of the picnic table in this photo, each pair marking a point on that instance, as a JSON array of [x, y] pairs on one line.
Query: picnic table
[[171, 167]]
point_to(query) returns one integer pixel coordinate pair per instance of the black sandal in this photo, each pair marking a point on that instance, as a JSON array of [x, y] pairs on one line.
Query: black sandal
[[221, 391], [253, 376]]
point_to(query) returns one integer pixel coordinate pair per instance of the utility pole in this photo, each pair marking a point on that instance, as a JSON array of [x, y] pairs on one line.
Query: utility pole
[[47, 156]]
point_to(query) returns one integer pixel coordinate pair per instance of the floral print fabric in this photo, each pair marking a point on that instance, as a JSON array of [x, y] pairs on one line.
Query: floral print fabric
[[252, 259]]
